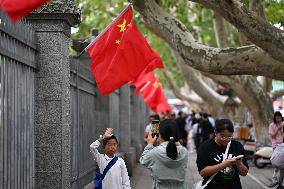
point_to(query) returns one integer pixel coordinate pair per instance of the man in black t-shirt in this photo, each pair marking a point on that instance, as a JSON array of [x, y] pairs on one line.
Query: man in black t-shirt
[[210, 159]]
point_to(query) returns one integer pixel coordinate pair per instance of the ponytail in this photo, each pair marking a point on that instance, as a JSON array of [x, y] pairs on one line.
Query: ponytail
[[172, 149], [168, 132]]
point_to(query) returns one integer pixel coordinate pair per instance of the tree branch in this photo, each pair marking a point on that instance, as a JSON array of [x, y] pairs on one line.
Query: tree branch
[[222, 61], [177, 92], [256, 29], [275, 94], [198, 85]]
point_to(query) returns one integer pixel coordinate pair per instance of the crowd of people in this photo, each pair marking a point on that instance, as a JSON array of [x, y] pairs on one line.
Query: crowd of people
[[220, 158], [192, 129]]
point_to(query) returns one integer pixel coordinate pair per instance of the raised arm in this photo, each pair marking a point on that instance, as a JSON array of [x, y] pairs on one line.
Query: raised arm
[[94, 149], [146, 158], [94, 146]]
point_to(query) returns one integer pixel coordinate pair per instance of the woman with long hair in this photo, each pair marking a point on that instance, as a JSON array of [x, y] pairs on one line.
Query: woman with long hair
[[276, 134], [168, 161]]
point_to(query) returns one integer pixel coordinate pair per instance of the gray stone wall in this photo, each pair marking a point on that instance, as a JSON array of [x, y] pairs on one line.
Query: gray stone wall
[[124, 121], [57, 161], [64, 110], [114, 111], [52, 99], [135, 123], [17, 70]]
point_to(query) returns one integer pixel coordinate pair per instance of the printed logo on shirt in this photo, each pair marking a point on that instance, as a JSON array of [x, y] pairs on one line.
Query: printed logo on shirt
[[229, 174]]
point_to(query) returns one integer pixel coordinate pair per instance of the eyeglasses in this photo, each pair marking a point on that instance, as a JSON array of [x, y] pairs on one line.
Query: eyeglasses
[[226, 138]]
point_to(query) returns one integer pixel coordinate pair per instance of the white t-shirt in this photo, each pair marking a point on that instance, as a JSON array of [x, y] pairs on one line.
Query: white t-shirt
[[117, 176]]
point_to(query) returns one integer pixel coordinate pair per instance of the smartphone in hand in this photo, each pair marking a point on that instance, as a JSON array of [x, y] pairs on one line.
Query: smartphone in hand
[[238, 157], [155, 128]]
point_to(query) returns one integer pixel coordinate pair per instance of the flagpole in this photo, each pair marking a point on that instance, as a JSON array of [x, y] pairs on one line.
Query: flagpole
[[91, 43]]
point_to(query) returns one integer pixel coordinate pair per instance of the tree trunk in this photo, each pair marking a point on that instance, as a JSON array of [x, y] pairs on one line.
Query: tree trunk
[[194, 80], [234, 110], [266, 83], [255, 28], [229, 61], [276, 94], [256, 99], [221, 32], [190, 99], [240, 86]]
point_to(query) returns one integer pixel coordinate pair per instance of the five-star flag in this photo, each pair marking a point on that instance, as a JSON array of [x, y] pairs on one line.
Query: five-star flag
[[144, 79], [155, 97], [152, 91], [120, 54], [17, 9], [122, 26]]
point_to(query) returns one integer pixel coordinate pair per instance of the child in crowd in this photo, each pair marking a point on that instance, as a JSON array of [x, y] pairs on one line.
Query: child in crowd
[[117, 175]]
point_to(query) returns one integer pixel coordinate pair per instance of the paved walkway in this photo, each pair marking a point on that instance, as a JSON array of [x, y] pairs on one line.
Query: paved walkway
[[256, 179]]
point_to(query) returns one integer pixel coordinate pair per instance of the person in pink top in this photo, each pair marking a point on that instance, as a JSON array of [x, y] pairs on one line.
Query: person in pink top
[[277, 137]]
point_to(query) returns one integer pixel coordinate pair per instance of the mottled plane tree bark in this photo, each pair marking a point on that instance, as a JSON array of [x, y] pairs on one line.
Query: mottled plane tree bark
[[246, 60], [250, 60]]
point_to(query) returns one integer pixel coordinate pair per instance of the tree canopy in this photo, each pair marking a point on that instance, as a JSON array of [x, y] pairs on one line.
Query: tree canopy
[[195, 43], [196, 17]]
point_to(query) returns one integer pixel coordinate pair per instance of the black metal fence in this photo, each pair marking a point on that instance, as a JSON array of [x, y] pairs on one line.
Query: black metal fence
[[83, 95], [91, 115], [17, 73]]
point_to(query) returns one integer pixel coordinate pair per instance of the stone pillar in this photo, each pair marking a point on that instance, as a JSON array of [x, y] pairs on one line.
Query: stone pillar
[[124, 119], [142, 119], [52, 24], [102, 112], [135, 123], [125, 129], [114, 111]]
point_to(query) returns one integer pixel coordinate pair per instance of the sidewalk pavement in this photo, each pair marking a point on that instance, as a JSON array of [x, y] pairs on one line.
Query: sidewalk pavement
[[256, 179]]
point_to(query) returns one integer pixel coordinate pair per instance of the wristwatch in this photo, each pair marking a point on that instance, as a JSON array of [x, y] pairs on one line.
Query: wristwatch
[[101, 139]]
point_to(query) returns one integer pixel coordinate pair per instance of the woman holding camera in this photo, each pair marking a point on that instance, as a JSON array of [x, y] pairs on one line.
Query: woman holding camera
[[168, 161]]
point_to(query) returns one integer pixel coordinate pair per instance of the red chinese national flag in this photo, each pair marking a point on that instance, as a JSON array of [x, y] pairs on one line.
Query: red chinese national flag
[[17, 9], [163, 105], [143, 80], [152, 96], [155, 97], [120, 54]]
